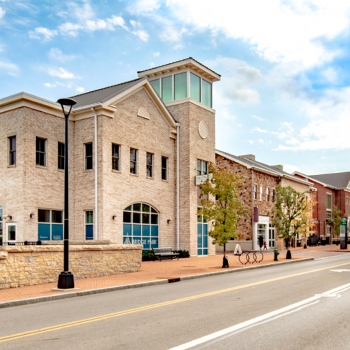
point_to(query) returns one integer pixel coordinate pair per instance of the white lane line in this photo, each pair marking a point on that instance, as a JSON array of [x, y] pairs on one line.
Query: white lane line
[[255, 320]]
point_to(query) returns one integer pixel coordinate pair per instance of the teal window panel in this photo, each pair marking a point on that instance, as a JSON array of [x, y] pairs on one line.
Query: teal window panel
[[127, 230], [57, 232], [156, 85], [199, 252], [205, 252], [180, 82], [154, 242], [137, 230], [206, 93], [205, 241], [44, 232], [195, 87], [146, 231], [136, 240], [154, 231], [89, 232], [167, 89], [127, 240]]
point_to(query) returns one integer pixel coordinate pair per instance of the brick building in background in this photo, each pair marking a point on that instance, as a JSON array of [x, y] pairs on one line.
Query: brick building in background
[[328, 191], [258, 193]]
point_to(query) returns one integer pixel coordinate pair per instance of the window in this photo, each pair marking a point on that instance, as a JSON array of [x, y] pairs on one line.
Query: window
[[60, 155], [164, 168], [156, 85], [329, 201], [50, 225], [140, 225], [273, 195], [40, 151], [115, 157], [149, 164], [167, 92], [11, 232], [202, 235], [88, 156], [12, 150], [133, 161], [195, 87], [89, 225], [206, 93], [202, 167], [261, 193], [255, 191], [267, 194], [180, 82]]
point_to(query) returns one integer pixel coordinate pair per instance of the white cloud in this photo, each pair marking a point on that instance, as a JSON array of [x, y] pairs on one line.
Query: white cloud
[[144, 6], [326, 119], [279, 31], [2, 12], [236, 85], [260, 130], [61, 73], [70, 29], [156, 54], [57, 54], [141, 34], [80, 89], [258, 118], [9, 68], [44, 34], [331, 75], [250, 142], [289, 168]]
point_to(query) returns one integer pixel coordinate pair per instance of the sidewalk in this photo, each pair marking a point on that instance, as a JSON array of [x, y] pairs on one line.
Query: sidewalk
[[156, 272]]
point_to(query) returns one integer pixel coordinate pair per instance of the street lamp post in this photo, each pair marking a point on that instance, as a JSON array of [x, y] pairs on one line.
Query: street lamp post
[[66, 278]]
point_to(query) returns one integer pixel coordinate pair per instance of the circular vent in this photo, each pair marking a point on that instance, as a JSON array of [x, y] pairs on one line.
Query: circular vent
[[203, 130]]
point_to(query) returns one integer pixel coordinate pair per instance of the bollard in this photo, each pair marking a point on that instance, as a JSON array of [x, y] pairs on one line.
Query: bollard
[[275, 254]]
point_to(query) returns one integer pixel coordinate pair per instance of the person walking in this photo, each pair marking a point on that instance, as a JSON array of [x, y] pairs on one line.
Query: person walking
[[261, 239], [265, 246]]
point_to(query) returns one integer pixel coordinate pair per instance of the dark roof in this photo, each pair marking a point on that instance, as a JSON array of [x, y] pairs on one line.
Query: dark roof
[[163, 65], [255, 164], [338, 180], [102, 95]]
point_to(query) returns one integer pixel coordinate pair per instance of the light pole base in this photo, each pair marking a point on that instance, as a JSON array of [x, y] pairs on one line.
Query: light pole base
[[65, 280]]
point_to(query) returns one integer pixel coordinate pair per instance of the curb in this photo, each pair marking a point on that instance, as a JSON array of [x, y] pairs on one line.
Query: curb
[[29, 301]]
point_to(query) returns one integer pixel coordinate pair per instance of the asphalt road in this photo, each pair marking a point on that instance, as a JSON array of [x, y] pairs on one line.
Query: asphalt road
[[304, 305]]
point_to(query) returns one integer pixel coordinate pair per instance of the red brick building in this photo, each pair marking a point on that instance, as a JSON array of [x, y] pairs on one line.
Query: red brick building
[[329, 191]]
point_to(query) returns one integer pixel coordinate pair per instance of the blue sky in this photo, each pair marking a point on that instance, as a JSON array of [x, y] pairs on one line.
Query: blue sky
[[285, 89]]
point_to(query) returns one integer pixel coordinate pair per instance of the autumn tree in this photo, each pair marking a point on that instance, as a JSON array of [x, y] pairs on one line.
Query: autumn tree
[[221, 203], [291, 214], [336, 221]]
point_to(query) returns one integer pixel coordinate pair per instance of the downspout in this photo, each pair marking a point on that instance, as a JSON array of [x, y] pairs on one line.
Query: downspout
[[177, 186], [96, 178]]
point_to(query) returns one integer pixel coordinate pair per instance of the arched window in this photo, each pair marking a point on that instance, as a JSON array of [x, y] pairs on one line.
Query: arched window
[[140, 225]]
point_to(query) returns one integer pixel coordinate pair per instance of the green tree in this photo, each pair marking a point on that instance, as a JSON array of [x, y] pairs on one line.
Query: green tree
[[291, 213], [335, 221], [221, 203]]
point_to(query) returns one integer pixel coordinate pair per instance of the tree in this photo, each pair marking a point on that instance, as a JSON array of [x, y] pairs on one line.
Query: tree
[[221, 203], [336, 221], [291, 214]]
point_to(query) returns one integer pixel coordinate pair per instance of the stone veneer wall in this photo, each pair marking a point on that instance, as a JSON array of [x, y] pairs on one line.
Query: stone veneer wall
[[31, 265]]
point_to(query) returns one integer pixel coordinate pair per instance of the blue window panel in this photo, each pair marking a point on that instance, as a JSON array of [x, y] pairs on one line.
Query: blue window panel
[[146, 243], [137, 230], [205, 241], [146, 231], [89, 232], [127, 230], [136, 240], [127, 240], [44, 232], [199, 251], [205, 252], [154, 242], [57, 232], [154, 231], [199, 229], [199, 242], [205, 229]]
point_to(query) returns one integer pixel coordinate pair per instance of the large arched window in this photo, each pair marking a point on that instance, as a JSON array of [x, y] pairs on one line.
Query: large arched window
[[140, 225]]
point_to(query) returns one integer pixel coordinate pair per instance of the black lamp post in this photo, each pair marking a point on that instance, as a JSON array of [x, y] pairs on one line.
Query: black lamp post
[[66, 279]]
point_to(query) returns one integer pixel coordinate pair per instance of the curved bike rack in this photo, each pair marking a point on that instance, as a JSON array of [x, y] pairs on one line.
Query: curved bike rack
[[250, 257]]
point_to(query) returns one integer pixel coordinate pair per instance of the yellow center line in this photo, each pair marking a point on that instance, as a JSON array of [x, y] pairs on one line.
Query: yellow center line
[[154, 306]]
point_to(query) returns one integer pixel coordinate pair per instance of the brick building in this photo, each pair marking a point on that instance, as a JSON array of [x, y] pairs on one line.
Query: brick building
[[258, 193], [135, 149], [328, 191]]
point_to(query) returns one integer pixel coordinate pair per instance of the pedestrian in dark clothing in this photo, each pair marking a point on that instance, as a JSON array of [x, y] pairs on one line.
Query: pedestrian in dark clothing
[[261, 239]]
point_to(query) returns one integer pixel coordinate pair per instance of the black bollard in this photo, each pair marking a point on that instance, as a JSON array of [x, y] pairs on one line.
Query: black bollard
[[289, 254]]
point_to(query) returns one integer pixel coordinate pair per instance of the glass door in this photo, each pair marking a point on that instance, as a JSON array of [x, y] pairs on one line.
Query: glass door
[[271, 236], [202, 236]]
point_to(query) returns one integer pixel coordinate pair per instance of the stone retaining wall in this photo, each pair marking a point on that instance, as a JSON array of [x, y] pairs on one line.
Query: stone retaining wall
[[30, 265]]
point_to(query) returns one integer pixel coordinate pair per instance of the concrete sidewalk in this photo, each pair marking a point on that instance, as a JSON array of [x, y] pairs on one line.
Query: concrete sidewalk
[[156, 272]]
